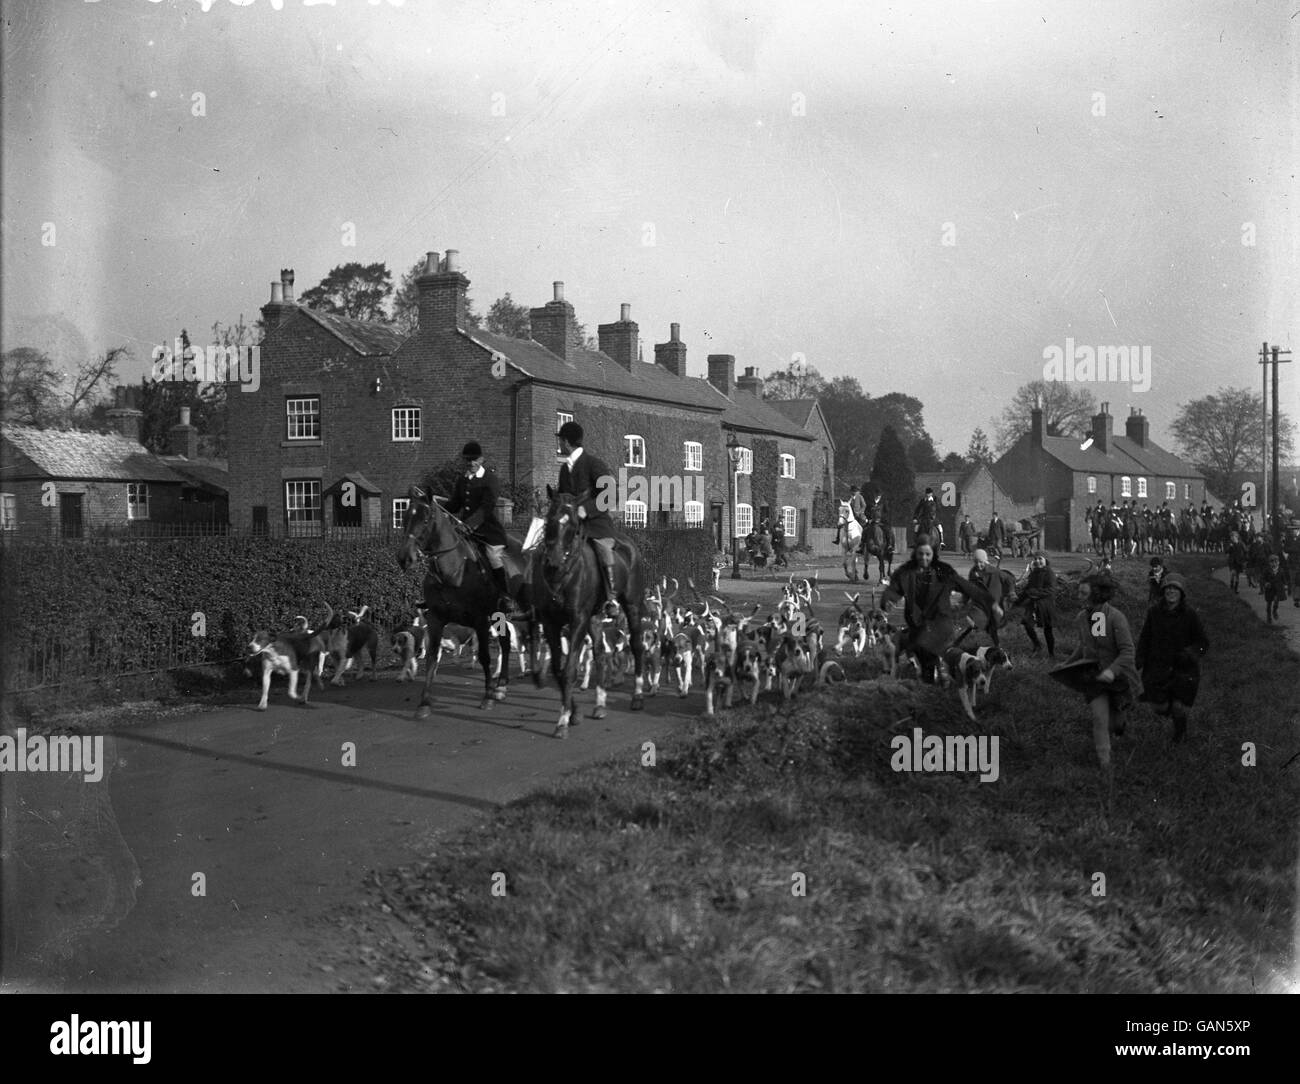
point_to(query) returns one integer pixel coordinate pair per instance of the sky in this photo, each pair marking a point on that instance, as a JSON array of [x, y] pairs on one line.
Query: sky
[[929, 197]]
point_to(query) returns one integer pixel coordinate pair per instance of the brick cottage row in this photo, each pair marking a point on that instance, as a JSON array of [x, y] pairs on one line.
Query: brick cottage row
[[350, 413]]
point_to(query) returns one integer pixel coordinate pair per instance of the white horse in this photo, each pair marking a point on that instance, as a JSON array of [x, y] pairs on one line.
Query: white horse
[[849, 533]]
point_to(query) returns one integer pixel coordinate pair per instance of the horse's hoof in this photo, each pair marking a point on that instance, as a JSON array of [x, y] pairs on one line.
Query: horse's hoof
[[498, 694], [637, 703], [561, 732], [260, 707], [597, 713], [423, 711]]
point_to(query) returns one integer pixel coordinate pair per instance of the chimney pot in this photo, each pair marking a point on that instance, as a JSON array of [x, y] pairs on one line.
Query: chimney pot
[[277, 293], [558, 288], [453, 259], [286, 283], [185, 415], [675, 332], [431, 263], [625, 312]]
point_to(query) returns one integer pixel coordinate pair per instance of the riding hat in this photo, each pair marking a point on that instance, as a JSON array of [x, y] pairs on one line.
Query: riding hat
[[471, 450]]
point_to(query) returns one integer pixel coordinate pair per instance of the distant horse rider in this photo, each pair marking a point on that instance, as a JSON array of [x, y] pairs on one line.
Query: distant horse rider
[[925, 513], [581, 477], [475, 499]]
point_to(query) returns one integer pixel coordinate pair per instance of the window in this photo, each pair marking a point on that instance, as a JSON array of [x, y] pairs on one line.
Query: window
[[1126, 486], [693, 453], [302, 418], [634, 514], [9, 512], [137, 500], [635, 449], [1171, 491], [1142, 487], [400, 505], [746, 462], [789, 522], [1187, 491], [560, 418], [406, 423], [787, 466], [695, 513], [744, 519], [302, 502], [1092, 484]]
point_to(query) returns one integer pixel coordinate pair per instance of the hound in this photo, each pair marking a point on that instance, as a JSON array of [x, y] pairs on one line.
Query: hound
[[792, 663], [971, 672], [290, 653], [853, 626], [404, 647], [346, 644], [749, 667]]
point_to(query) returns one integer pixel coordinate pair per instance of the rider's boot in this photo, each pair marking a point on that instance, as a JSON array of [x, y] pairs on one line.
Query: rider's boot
[[611, 591], [504, 602]]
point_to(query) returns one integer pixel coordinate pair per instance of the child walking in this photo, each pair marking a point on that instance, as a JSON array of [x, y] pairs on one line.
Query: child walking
[[1171, 642]]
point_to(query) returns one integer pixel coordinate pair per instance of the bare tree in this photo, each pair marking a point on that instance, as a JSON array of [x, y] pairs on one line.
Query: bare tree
[[1067, 411], [30, 392], [1223, 433]]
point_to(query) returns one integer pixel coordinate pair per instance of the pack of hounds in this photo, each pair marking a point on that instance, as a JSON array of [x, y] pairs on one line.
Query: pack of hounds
[[703, 643]]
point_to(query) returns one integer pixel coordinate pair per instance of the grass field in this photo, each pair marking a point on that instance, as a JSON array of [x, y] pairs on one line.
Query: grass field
[[683, 876]]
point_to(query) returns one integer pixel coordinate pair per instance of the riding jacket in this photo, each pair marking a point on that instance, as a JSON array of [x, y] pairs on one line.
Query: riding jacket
[[475, 501], [581, 477]]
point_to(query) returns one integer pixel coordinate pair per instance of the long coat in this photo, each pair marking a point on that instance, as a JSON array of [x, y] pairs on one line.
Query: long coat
[[475, 501], [1113, 649], [927, 604], [584, 481], [1038, 596], [1168, 647], [997, 532]]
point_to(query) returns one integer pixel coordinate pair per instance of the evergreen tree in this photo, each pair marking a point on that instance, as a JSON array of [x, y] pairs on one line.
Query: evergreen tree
[[893, 478], [978, 450]]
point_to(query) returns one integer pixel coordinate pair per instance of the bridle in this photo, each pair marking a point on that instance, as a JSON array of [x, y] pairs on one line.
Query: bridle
[[555, 581]]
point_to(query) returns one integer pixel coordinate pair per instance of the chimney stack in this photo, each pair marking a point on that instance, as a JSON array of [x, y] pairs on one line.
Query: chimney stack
[[722, 372], [750, 382], [672, 354], [1101, 429], [621, 340], [276, 311], [555, 327], [126, 420], [183, 438], [1036, 427], [286, 283], [442, 290], [1137, 428]]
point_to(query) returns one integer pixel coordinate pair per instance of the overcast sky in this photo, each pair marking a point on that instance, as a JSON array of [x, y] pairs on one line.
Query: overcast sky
[[799, 166]]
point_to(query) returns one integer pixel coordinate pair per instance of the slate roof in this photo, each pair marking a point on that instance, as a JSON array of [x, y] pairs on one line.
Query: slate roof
[[63, 453], [797, 410], [211, 473], [364, 336], [1125, 457]]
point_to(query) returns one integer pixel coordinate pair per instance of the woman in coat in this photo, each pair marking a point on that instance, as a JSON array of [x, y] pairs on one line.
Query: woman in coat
[[925, 586], [1171, 642], [1037, 598], [1105, 638]]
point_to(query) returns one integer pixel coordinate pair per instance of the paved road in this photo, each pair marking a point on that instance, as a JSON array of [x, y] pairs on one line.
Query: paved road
[[100, 877]]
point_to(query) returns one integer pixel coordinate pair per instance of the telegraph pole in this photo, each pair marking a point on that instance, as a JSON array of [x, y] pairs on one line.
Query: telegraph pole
[[1272, 493], [1263, 428]]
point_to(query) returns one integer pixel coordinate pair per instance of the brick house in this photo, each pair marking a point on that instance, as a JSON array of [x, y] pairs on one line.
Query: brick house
[[68, 484], [349, 414], [974, 491], [1069, 478]]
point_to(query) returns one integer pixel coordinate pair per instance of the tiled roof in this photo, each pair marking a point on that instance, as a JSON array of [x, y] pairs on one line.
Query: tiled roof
[[1124, 457], [64, 453], [364, 336], [750, 412], [797, 410], [212, 473]]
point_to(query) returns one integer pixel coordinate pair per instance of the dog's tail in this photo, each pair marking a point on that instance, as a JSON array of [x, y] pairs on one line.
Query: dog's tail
[[831, 673]]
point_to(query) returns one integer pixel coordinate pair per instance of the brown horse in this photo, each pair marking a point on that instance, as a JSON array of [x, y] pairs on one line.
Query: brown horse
[[568, 591], [458, 589]]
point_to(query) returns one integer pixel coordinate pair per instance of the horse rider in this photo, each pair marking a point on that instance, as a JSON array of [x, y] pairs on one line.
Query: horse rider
[[925, 512], [474, 499], [858, 506], [581, 477]]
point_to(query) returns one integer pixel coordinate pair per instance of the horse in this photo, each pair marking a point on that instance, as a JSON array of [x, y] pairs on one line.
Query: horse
[[1112, 531], [849, 533], [460, 590], [568, 589], [878, 542], [1163, 533]]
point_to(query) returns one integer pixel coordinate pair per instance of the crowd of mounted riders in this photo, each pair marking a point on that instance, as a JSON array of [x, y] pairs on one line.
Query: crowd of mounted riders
[[1125, 530]]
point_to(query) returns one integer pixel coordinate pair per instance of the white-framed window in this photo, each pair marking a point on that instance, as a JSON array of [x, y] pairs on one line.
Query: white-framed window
[[787, 465], [9, 512], [560, 418], [634, 449], [1126, 486], [693, 455], [744, 519], [746, 463], [695, 513], [302, 501], [1142, 487], [1171, 491], [1092, 484], [302, 418], [137, 500], [1187, 491], [789, 521], [406, 423], [634, 514], [400, 505]]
